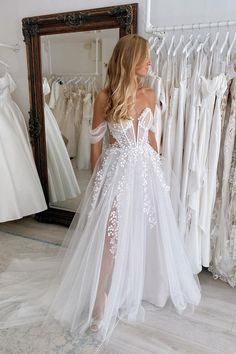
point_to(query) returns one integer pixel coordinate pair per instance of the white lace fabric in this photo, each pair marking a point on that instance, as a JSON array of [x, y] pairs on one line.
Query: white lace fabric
[[223, 235], [124, 240]]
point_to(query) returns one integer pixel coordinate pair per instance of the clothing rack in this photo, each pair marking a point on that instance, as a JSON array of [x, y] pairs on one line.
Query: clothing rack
[[76, 74], [159, 30]]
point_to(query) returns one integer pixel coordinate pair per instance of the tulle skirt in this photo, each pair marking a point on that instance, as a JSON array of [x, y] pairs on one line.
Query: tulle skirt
[[124, 239]]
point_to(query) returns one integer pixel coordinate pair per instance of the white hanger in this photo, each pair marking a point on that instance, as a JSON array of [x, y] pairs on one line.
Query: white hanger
[[193, 46], [150, 39], [59, 77], [86, 81], [230, 49], [224, 43], [14, 47], [214, 42], [171, 45], [187, 44], [154, 43], [161, 45], [5, 64], [181, 39], [202, 45], [79, 79], [73, 79]]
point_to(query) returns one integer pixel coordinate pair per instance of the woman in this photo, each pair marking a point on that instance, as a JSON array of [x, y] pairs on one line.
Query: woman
[[126, 246]]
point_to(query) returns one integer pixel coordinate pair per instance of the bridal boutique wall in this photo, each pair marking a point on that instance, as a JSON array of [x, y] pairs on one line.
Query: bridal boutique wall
[[164, 12]]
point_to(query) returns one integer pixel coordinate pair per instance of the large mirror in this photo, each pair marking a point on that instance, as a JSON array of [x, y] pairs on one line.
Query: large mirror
[[67, 59]]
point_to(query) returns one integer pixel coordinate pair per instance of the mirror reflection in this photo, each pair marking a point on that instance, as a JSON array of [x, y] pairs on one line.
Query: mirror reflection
[[74, 70]]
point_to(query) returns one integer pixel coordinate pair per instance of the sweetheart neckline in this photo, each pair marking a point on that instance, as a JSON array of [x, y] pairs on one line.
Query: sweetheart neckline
[[142, 112], [131, 120], [138, 119]]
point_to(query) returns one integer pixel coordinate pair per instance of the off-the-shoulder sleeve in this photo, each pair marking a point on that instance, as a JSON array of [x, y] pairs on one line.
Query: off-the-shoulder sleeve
[[98, 133]]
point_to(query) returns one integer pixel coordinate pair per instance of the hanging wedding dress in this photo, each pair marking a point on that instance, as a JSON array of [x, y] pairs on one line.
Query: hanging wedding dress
[[179, 136], [167, 80], [61, 177], [171, 121], [211, 166], [59, 109], [156, 83], [68, 124], [223, 231], [78, 112], [210, 87], [125, 243], [189, 181], [21, 193], [194, 140], [55, 92], [84, 141]]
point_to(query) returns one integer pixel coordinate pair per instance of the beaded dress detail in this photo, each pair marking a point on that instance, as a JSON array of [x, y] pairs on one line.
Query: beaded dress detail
[[124, 243]]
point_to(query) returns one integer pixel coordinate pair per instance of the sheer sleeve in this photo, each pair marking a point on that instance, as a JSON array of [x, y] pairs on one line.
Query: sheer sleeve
[[98, 133]]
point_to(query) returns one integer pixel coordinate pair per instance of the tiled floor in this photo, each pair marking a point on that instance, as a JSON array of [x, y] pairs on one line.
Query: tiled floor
[[210, 330]]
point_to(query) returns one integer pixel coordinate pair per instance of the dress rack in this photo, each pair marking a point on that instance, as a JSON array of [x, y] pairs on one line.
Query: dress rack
[[75, 74], [159, 30]]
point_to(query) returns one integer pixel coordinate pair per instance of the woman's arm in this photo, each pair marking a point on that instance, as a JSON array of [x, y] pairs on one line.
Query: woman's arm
[[152, 140], [151, 134], [98, 118]]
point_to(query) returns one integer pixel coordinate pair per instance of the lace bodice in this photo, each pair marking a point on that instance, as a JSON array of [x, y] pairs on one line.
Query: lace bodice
[[130, 133]]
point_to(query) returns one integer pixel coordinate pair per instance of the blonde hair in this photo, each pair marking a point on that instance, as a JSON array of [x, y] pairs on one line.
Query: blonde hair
[[121, 81]]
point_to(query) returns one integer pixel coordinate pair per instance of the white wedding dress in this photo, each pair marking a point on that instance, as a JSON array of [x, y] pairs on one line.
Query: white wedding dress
[[125, 242], [21, 193], [62, 181], [83, 158]]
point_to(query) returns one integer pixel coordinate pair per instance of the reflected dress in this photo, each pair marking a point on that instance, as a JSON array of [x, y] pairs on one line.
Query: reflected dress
[[125, 241], [62, 181]]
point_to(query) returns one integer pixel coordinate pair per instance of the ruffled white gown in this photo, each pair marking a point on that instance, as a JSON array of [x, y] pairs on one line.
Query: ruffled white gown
[[21, 193], [126, 243]]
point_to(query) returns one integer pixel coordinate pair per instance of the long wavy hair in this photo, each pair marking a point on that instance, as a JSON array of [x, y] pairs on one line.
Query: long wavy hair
[[121, 81]]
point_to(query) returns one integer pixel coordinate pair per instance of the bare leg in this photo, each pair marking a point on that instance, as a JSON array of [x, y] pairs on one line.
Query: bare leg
[[107, 263]]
